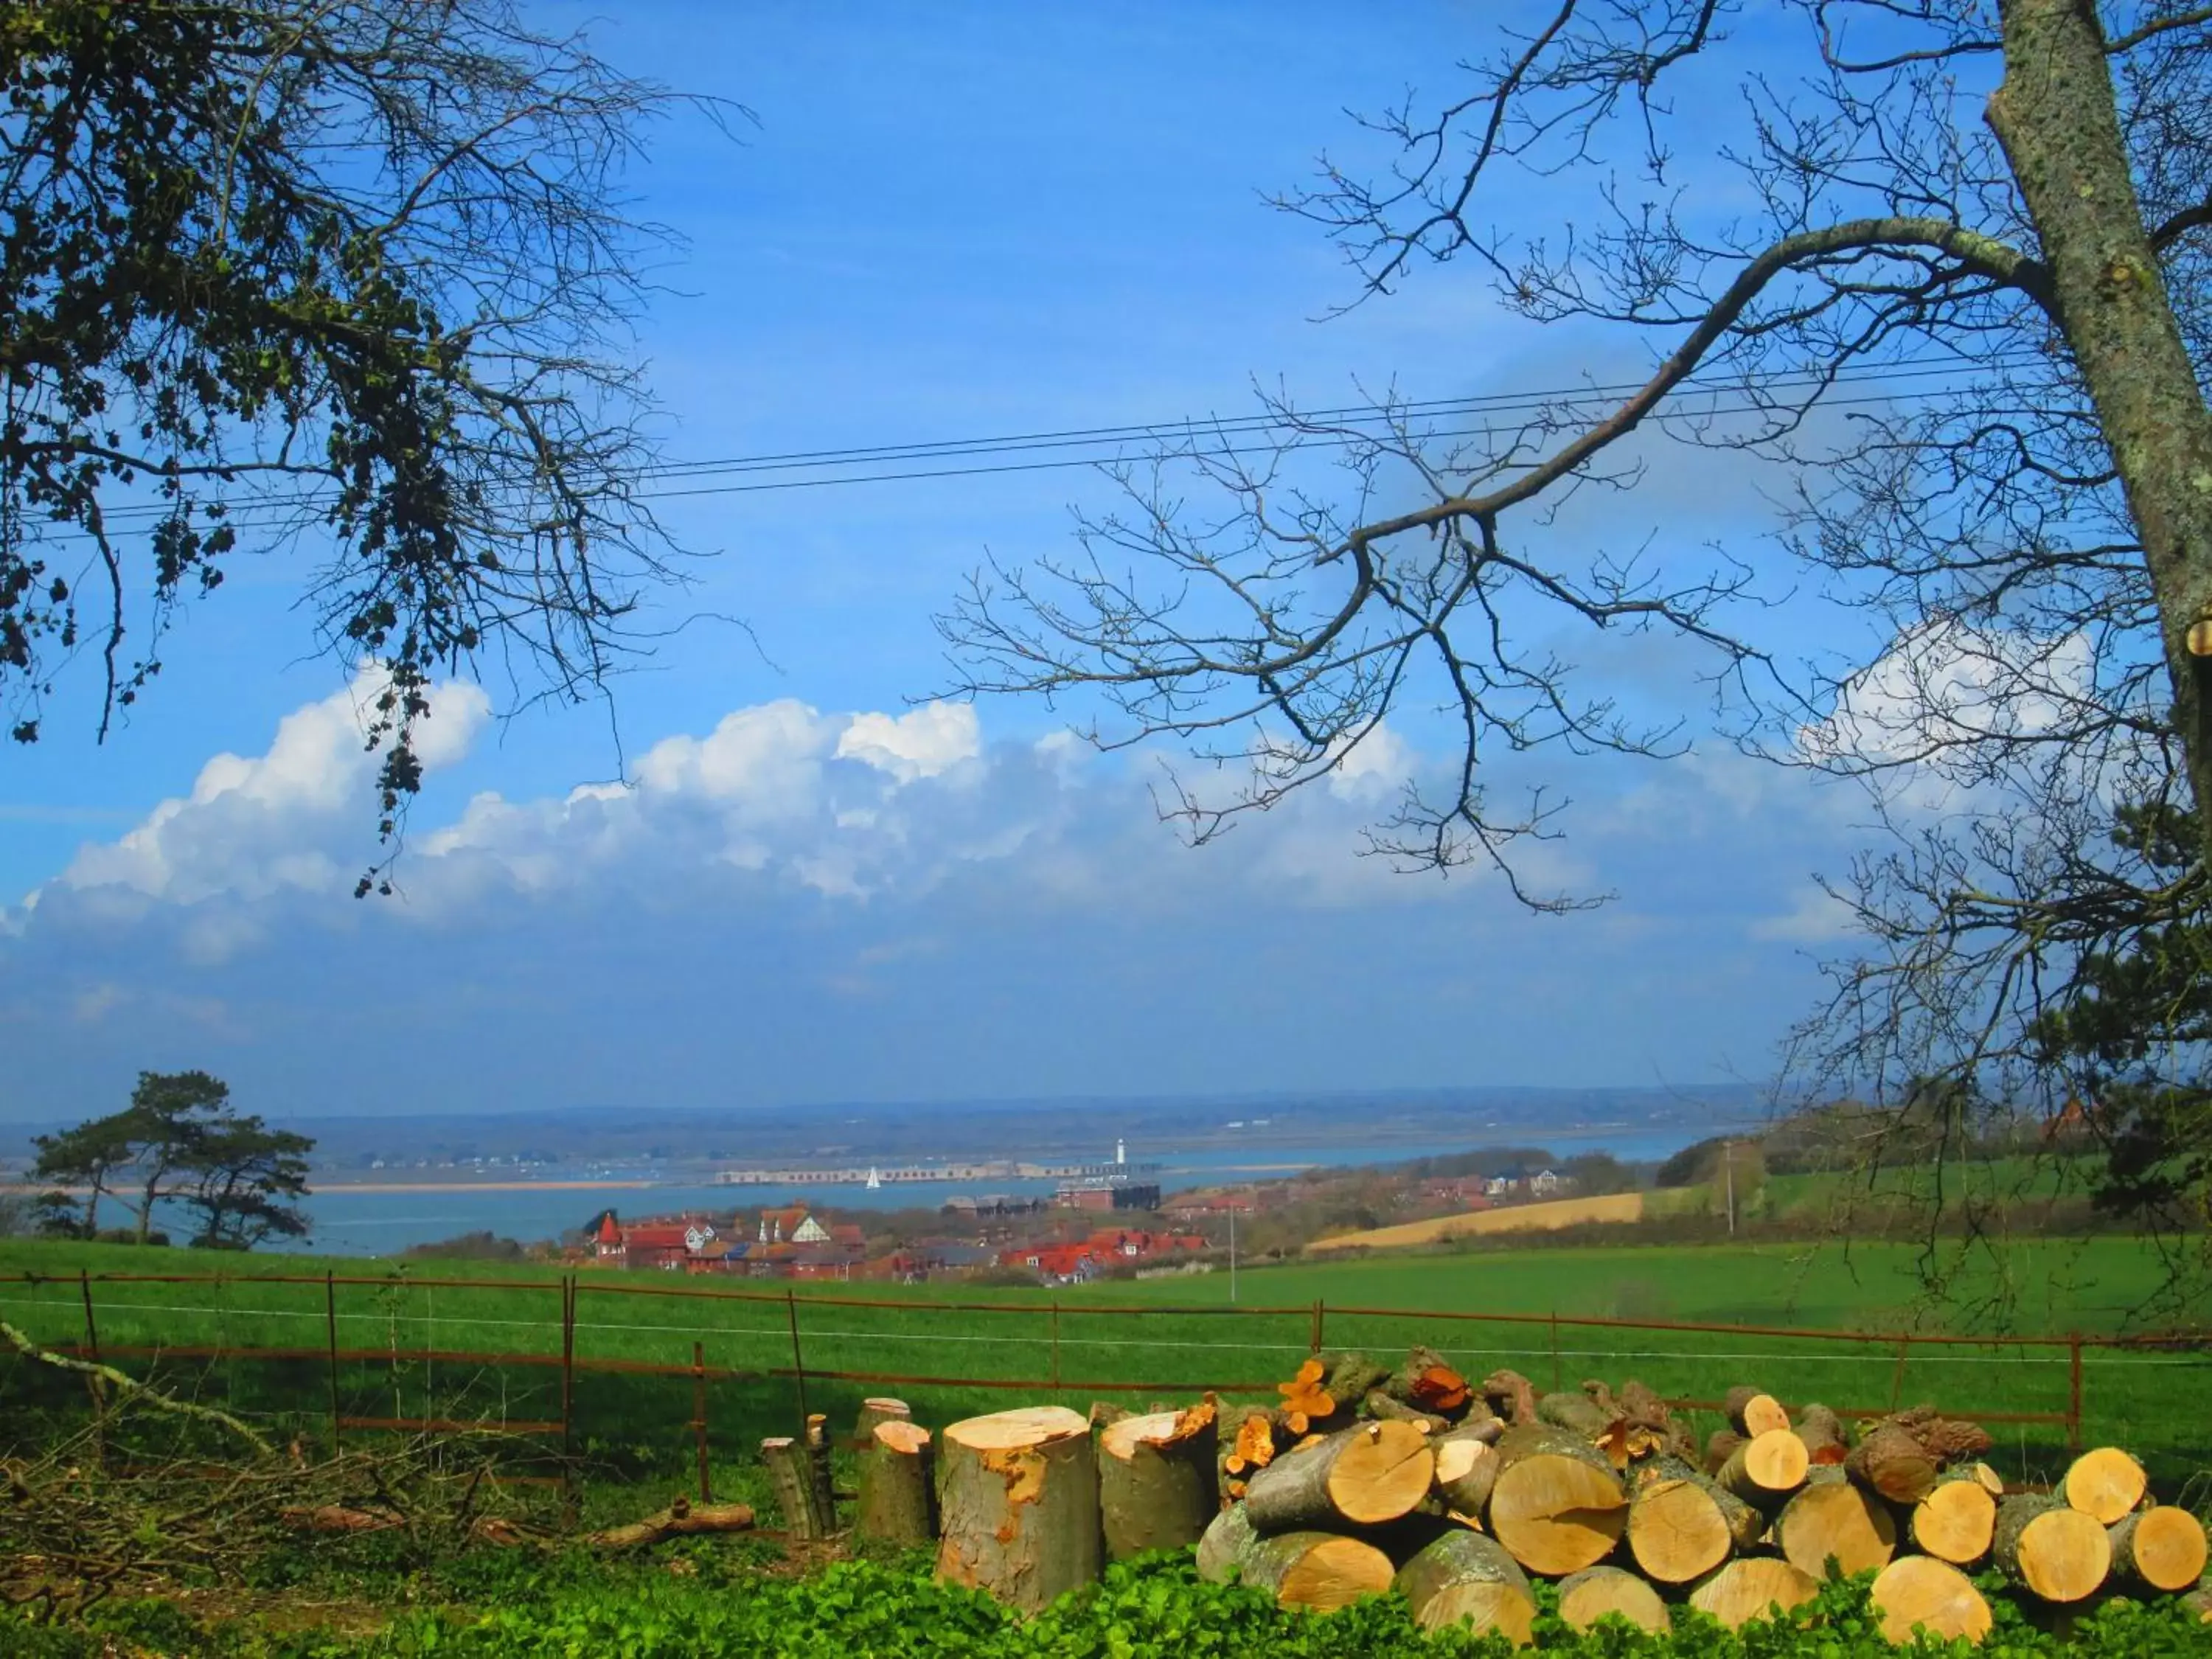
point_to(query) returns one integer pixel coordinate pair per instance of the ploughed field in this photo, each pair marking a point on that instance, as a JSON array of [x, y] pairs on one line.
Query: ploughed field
[[946, 1343]]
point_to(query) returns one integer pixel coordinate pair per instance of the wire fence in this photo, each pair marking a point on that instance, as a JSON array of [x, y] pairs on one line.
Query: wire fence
[[630, 1372]]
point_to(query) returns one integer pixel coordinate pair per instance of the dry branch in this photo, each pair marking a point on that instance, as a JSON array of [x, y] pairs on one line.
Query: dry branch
[[133, 1390], [681, 1519]]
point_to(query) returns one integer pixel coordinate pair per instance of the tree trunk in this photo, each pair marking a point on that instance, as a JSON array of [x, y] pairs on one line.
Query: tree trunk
[[1554, 1501], [2060, 1554], [819, 1468], [2107, 1483], [1349, 1376], [2055, 115], [876, 1411], [1227, 1536], [1577, 1412], [1678, 1530], [1752, 1412], [1587, 1596], [1765, 1470], [1956, 1520], [1822, 1432], [1835, 1519], [1019, 1507], [791, 1477], [1464, 1578], [1318, 1570], [898, 1487], [1917, 1592], [1753, 1587], [1462, 1479], [1158, 1487], [1363, 1475], [2159, 1548], [1380, 1404], [1889, 1461]]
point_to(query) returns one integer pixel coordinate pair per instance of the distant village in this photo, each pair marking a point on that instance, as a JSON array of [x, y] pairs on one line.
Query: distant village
[[1060, 1241]]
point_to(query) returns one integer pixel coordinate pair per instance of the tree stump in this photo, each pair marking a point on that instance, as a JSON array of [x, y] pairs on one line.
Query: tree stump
[[1363, 1475], [1753, 1587], [818, 1467], [1157, 1481], [1752, 1413], [875, 1411], [1956, 1520], [2059, 1553], [806, 1516], [1464, 1578], [898, 1489], [1587, 1596], [1919, 1593], [1680, 1530], [1890, 1461], [1318, 1570], [1554, 1500], [2159, 1548], [1765, 1470], [1018, 1510], [2107, 1483], [1835, 1520]]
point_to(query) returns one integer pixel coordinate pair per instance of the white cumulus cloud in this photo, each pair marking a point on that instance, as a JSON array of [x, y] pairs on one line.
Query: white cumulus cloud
[[254, 826]]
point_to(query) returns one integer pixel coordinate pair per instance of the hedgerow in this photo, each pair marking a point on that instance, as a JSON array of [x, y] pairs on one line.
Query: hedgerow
[[714, 1606]]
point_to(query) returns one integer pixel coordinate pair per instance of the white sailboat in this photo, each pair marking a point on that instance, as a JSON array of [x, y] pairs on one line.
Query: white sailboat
[[875, 1178]]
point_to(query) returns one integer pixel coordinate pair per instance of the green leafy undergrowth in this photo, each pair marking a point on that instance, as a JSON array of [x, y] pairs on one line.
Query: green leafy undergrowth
[[859, 1609]]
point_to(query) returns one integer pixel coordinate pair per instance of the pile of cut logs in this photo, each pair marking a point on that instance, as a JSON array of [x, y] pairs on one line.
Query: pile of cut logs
[[1369, 1477]]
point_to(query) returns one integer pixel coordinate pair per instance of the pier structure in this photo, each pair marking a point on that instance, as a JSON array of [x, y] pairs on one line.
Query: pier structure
[[881, 1176]]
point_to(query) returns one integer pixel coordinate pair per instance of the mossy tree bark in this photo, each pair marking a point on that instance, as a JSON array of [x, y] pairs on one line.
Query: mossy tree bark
[[2056, 117], [1157, 1481], [898, 1486], [1464, 1578]]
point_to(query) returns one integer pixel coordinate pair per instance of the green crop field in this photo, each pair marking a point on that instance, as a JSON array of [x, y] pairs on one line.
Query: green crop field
[[1184, 1336]]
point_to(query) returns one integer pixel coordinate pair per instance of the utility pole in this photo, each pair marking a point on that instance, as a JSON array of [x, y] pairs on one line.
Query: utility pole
[[1232, 1250], [1727, 1165]]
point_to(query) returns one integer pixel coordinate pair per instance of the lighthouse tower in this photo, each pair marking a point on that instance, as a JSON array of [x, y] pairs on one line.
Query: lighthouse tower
[[1121, 1151]]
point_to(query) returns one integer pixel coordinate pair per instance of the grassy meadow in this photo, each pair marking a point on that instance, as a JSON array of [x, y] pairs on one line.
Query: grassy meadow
[[1187, 1336]]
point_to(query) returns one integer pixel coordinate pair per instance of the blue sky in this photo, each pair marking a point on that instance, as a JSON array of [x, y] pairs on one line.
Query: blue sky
[[949, 222]]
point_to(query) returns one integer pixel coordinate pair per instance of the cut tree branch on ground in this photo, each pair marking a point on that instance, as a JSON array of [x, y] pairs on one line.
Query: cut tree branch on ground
[[132, 1390]]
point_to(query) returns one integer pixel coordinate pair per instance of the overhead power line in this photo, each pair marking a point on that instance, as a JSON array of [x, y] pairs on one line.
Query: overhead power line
[[1196, 438]]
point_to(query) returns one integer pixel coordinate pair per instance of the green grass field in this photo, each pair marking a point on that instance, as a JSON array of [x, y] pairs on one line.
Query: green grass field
[[1189, 1335]]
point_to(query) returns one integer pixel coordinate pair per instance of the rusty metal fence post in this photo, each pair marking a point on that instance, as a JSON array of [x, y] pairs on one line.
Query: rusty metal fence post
[[1556, 1384], [92, 1383], [699, 1416], [1313, 1342], [1897, 1375], [797, 1356], [330, 1322], [2074, 1393], [567, 1398]]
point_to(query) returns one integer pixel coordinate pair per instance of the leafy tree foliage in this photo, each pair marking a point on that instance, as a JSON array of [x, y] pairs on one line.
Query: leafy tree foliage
[[88, 1157], [325, 272], [2131, 1036], [179, 1141]]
